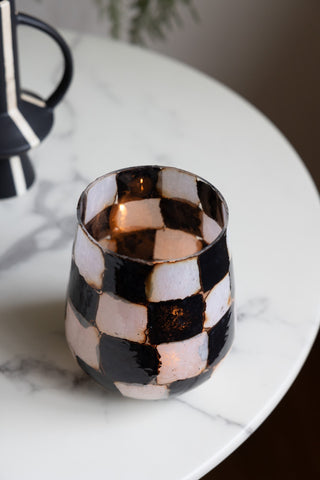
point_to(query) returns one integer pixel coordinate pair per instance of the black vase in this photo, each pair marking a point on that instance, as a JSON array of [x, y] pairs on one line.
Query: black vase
[[25, 118]]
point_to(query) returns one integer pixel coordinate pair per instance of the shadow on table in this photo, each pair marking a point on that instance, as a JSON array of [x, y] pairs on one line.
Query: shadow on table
[[34, 354]]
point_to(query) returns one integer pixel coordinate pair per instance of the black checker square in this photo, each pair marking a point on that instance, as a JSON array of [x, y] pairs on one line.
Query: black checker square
[[175, 320], [83, 321], [126, 361], [221, 338], [83, 297], [126, 278], [98, 376], [210, 201], [99, 226], [138, 183], [183, 386], [214, 264], [139, 244], [179, 215]]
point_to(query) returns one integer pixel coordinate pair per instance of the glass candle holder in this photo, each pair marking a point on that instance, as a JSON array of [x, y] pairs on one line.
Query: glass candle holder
[[150, 307]]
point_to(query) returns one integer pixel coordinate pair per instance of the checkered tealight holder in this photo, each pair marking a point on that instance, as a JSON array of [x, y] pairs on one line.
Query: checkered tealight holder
[[150, 308]]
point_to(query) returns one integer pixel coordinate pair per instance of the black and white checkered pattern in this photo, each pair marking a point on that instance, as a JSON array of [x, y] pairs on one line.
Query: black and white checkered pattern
[[137, 321]]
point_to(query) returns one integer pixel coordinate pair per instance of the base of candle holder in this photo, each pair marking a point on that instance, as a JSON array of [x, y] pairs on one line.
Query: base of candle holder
[[16, 175]]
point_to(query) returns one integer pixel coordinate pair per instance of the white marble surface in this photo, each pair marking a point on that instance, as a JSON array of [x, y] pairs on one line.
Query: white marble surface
[[127, 107]]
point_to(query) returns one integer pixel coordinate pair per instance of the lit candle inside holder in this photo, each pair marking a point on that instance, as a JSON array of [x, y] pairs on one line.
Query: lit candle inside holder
[[143, 219], [136, 215], [121, 214], [122, 209], [151, 277]]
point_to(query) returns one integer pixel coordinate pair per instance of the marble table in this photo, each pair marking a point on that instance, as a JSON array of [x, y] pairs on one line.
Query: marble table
[[129, 107]]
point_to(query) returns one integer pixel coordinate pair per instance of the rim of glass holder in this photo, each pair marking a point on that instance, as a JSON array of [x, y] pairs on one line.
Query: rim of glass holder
[[137, 259]]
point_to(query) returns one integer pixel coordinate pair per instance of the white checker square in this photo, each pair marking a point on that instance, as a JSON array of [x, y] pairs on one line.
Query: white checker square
[[210, 228], [181, 360], [89, 259], [99, 196], [218, 302], [179, 185], [143, 392], [120, 318], [83, 341], [172, 244], [169, 281], [137, 215]]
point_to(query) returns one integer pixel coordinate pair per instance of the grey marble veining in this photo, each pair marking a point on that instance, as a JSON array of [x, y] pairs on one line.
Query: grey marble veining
[[215, 418]]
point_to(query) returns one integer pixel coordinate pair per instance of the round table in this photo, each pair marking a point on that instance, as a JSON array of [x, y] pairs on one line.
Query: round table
[[127, 107]]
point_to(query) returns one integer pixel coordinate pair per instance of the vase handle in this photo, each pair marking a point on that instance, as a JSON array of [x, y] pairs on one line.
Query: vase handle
[[57, 95]]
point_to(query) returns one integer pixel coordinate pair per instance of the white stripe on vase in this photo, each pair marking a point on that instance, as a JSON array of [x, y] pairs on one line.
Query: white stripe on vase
[[30, 99], [11, 95], [18, 175], [8, 55], [24, 127]]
